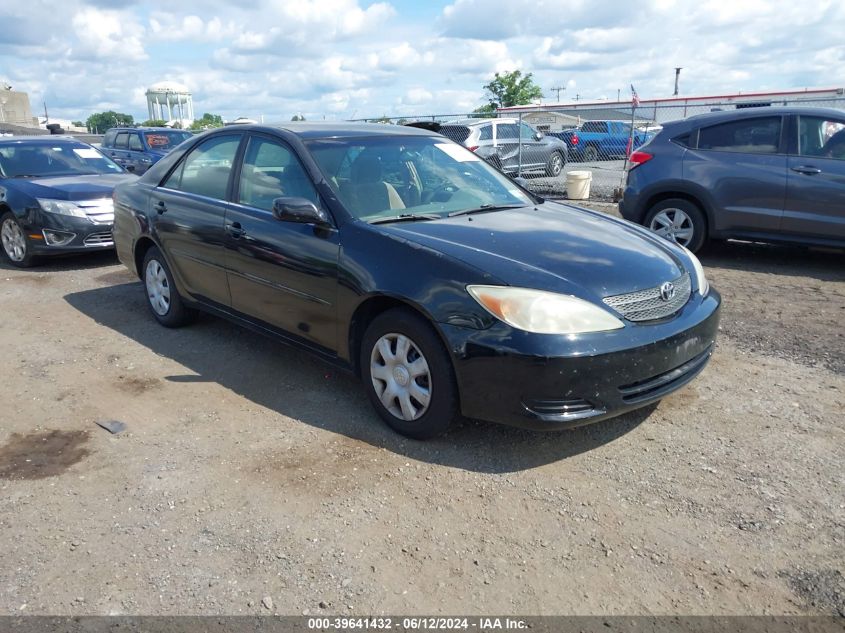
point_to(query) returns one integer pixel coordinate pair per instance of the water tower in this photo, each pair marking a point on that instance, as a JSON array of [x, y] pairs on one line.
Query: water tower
[[170, 101]]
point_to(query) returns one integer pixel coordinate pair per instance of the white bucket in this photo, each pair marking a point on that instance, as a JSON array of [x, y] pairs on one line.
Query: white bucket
[[578, 184]]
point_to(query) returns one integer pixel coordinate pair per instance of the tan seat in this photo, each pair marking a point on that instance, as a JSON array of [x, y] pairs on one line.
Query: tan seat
[[366, 193]]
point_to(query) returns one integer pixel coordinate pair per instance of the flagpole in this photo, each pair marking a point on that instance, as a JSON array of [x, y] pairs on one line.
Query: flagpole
[[630, 149]]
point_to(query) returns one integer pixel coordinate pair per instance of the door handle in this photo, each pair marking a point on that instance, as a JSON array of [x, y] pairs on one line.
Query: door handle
[[235, 230], [161, 207], [806, 169]]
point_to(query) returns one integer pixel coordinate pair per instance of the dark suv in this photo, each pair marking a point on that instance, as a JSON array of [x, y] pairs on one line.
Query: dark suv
[[136, 149], [762, 174]]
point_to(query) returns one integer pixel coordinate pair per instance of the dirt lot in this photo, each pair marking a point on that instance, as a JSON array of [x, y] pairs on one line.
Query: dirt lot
[[253, 479]]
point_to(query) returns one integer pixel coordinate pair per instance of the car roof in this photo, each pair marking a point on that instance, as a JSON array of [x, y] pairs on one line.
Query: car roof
[[771, 110], [331, 129], [44, 139]]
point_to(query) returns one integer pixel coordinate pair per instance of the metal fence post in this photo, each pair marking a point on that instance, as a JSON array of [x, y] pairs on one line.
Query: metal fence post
[[519, 136]]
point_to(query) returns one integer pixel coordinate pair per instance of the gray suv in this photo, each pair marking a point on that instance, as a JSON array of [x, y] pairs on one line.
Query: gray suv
[[505, 143], [760, 174]]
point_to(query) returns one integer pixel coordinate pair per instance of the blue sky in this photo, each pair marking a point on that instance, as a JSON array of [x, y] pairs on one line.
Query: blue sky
[[351, 58]]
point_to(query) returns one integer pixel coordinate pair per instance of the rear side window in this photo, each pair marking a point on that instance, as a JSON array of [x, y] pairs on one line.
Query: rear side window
[[122, 141], [753, 136], [457, 133], [135, 143], [485, 133], [595, 126], [683, 139], [108, 140], [205, 171]]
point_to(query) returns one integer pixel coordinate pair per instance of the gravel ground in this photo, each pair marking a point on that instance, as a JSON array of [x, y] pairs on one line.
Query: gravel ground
[[253, 479]]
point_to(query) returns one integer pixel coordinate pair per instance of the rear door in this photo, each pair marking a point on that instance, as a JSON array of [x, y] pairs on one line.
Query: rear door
[[507, 146], [188, 212], [742, 163], [283, 273], [119, 152], [135, 154], [815, 191]]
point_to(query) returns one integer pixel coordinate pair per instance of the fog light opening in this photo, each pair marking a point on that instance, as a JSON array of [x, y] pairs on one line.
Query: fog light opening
[[57, 238]]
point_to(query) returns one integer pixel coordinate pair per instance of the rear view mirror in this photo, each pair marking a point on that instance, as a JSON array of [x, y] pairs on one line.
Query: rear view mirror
[[301, 210]]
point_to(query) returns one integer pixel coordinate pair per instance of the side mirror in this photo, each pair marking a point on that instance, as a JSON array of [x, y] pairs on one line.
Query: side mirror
[[130, 168], [301, 210], [538, 136]]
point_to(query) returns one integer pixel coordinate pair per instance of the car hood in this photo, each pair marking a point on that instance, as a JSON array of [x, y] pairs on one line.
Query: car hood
[[79, 187], [551, 247]]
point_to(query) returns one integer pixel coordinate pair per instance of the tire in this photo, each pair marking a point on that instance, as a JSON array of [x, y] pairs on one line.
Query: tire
[[396, 341], [163, 298], [555, 165], [16, 246], [591, 154], [679, 221]]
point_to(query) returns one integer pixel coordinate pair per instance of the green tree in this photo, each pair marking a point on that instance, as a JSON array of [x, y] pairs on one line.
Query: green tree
[[512, 89], [154, 123], [102, 121], [382, 119], [77, 124], [487, 111], [207, 121]]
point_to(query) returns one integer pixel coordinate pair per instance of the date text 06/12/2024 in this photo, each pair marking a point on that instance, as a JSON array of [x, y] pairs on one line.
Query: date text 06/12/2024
[[416, 624]]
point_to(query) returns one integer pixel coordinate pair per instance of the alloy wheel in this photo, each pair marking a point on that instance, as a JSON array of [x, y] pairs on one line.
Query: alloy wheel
[[673, 224], [14, 242]]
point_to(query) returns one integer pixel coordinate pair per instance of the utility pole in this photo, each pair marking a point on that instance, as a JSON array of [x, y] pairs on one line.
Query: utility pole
[[558, 90], [677, 75]]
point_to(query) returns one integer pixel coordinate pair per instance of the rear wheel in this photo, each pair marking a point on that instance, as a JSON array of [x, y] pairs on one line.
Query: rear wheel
[[591, 153], [408, 374], [163, 298], [679, 221], [555, 165], [16, 245]]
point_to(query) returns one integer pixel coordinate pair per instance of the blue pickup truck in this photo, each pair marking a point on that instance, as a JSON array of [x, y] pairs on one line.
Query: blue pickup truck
[[601, 140]]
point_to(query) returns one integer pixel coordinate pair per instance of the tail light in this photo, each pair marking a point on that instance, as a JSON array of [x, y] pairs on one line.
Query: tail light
[[472, 148], [574, 140], [638, 158]]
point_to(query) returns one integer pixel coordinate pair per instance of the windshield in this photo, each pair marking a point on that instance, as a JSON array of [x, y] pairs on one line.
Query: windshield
[[36, 160], [165, 141], [382, 177]]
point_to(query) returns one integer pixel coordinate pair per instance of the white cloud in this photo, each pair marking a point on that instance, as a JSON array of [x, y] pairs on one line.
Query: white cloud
[[104, 33]]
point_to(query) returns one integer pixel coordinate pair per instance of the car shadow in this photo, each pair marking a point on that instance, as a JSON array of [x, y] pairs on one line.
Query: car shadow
[[76, 261], [295, 384], [824, 264]]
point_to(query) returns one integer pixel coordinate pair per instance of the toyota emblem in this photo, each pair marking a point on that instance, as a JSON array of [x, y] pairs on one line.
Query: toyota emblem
[[667, 291]]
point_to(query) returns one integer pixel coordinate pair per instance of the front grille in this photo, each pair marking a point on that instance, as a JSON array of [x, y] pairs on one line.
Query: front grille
[[98, 211], [647, 305], [656, 386], [99, 239]]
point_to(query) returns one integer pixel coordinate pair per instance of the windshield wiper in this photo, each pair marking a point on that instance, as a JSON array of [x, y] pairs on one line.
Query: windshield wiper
[[406, 217], [487, 207]]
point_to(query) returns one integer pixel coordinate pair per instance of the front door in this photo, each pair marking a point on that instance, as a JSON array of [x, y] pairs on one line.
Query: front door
[[815, 198], [188, 212], [281, 273]]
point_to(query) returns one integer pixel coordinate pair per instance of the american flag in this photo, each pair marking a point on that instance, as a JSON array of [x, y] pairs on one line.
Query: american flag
[[635, 99]]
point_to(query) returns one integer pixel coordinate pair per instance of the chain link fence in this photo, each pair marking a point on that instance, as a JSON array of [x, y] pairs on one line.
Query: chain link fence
[[544, 144]]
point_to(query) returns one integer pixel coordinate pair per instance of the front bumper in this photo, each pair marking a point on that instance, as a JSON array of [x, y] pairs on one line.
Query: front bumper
[[87, 235], [556, 382]]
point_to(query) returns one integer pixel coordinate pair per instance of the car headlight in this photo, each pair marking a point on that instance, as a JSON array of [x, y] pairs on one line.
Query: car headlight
[[702, 283], [543, 312], [62, 207]]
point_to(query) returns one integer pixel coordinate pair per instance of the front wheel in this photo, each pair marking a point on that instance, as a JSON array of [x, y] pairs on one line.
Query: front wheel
[[408, 374], [16, 245], [163, 298], [555, 165], [679, 221]]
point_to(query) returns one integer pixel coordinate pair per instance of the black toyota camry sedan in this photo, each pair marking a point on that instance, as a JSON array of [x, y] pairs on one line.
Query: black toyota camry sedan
[[402, 256], [55, 197]]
